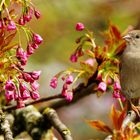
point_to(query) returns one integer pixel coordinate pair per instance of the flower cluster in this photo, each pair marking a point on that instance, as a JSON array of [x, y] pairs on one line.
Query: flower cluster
[[18, 84], [68, 80], [101, 65]]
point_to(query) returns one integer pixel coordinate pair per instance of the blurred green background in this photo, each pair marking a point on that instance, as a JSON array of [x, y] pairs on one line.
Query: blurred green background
[[57, 27]]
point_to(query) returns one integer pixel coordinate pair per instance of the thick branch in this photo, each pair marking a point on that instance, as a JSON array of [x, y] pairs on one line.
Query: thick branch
[[5, 127], [53, 118]]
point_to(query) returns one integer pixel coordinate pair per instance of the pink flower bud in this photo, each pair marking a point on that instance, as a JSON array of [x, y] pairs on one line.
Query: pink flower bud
[[99, 77], [27, 17], [19, 52], [35, 46], [27, 77], [25, 95], [37, 39], [79, 26], [123, 99], [35, 74], [30, 49], [21, 21], [10, 86], [90, 62], [22, 87], [24, 58], [117, 86], [35, 85], [35, 95], [54, 82], [116, 94], [37, 14], [9, 95], [102, 86], [69, 79], [109, 81], [1, 24], [64, 90], [11, 25], [20, 103], [69, 96], [73, 58]]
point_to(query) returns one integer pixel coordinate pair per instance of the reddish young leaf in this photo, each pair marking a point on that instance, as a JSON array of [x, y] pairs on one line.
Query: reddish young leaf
[[116, 32], [121, 117], [99, 125], [120, 48], [115, 116]]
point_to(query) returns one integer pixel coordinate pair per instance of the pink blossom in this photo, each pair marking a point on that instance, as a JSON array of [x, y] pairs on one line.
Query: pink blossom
[[27, 77], [109, 81], [22, 87], [19, 52], [35, 74], [21, 21], [102, 86], [35, 95], [37, 39], [79, 26], [117, 86], [25, 95], [90, 62], [9, 95], [54, 82], [22, 56], [69, 96], [116, 94], [20, 103], [35, 46], [27, 17], [73, 58], [37, 14], [35, 85], [11, 25], [64, 90], [30, 49], [123, 99], [9, 85], [69, 79]]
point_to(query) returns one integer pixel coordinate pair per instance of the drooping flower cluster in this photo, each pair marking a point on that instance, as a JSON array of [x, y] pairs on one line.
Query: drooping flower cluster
[[66, 91], [18, 84]]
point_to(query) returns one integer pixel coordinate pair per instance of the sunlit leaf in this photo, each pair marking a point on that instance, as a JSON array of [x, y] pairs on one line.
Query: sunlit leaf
[[99, 125]]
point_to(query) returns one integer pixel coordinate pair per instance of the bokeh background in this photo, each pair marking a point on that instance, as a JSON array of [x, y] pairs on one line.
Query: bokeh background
[[57, 27]]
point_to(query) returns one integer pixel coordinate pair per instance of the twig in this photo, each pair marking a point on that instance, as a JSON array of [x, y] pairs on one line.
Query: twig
[[5, 127], [44, 99], [80, 92], [53, 118]]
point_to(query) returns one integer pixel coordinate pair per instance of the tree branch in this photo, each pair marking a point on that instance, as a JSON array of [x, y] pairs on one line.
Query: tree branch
[[53, 118]]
